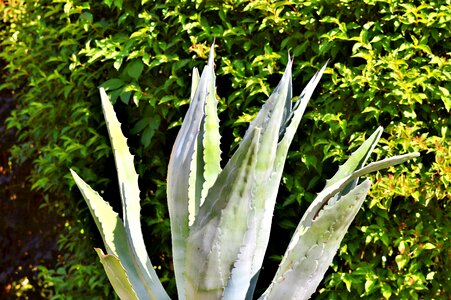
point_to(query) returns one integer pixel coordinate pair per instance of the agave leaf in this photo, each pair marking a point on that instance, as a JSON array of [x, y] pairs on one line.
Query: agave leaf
[[194, 164], [210, 135], [271, 121], [206, 160], [268, 189], [219, 216], [182, 186], [195, 77], [332, 190], [216, 238], [357, 160], [241, 277], [108, 222], [221, 219], [195, 176], [116, 242], [275, 110], [312, 249], [129, 191], [117, 275], [326, 204], [128, 180]]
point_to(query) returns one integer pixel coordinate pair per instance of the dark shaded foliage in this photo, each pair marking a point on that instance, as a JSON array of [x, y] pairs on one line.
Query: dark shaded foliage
[[28, 235]]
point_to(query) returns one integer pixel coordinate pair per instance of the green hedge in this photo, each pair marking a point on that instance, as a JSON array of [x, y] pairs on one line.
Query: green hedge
[[389, 65]]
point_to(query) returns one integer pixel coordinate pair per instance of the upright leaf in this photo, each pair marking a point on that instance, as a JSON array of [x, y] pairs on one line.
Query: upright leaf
[[129, 192], [269, 189], [216, 237], [194, 164], [210, 135]]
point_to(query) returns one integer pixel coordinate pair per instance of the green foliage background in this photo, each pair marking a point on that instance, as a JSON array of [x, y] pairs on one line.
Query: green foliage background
[[389, 65]]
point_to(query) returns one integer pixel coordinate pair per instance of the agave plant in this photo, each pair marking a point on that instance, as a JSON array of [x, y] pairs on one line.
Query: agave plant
[[221, 218]]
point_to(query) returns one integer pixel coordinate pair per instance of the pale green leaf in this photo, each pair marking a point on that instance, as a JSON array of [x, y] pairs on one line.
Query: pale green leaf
[[116, 242], [219, 202], [327, 203], [357, 160], [129, 192], [188, 174], [210, 135], [313, 247], [270, 188], [117, 276], [217, 236]]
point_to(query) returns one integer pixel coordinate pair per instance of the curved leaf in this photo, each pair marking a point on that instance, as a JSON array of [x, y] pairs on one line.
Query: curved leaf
[[116, 242], [313, 248]]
